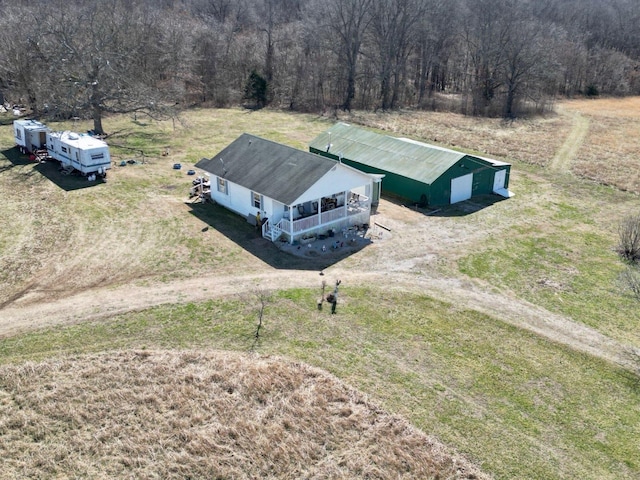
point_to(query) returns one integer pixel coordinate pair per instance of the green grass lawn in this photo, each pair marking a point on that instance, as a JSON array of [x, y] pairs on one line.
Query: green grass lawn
[[561, 255], [520, 406]]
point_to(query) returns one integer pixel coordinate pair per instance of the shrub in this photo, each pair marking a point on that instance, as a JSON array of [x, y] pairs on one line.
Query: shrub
[[629, 232]]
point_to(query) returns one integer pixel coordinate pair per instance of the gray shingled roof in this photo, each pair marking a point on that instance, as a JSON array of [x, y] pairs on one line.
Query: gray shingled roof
[[269, 168], [404, 157]]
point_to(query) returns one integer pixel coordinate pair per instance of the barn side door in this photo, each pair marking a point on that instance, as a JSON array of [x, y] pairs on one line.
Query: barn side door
[[498, 180]]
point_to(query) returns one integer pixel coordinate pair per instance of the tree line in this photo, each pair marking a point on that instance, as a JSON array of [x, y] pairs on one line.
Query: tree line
[[508, 58]]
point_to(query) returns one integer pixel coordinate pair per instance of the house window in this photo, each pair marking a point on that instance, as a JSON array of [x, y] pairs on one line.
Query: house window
[[97, 156], [256, 200], [18, 134], [222, 186]]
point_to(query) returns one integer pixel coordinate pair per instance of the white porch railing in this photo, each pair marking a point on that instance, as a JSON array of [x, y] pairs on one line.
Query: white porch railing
[[271, 230], [354, 209], [333, 215], [306, 223]]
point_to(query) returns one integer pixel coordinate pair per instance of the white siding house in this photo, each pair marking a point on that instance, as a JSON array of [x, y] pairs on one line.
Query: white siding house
[[297, 194]]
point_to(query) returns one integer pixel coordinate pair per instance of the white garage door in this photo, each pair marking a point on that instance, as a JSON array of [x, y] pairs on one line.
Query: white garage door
[[461, 188]]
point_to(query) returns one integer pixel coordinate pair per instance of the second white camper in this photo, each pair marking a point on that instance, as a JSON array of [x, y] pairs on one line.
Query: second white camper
[[30, 135], [83, 152]]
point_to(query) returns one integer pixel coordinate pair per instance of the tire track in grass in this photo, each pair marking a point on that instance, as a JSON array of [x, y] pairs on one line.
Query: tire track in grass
[[564, 157]]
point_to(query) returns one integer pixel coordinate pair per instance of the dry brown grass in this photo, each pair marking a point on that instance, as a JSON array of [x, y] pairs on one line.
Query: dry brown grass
[[138, 227], [609, 154], [610, 107], [167, 415], [141, 414]]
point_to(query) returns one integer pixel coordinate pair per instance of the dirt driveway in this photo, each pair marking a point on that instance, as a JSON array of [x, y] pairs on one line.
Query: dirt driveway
[[405, 249]]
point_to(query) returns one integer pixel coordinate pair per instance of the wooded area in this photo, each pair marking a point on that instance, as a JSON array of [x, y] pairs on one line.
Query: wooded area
[[504, 58]]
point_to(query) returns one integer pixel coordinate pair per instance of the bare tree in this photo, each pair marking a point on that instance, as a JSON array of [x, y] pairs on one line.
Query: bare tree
[[220, 11], [23, 63], [271, 18], [110, 57], [348, 21], [317, 72], [486, 35], [90, 58], [393, 29], [223, 51], [526, 66], [630, 280], [263, 298], [437, 37], [571, 57]]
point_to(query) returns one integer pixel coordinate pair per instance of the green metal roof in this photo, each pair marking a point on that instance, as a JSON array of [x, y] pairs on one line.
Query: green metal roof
[[405, 157]]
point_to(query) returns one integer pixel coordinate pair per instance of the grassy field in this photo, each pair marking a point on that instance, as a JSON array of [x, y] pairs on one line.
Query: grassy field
[[139, 224], [519, 406], [516, 404], [606, 156]]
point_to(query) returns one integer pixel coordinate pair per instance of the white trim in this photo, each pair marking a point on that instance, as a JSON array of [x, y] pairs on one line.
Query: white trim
[[503, 192]]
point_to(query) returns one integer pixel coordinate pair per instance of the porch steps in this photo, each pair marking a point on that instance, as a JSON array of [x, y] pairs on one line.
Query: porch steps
[[272, 232]]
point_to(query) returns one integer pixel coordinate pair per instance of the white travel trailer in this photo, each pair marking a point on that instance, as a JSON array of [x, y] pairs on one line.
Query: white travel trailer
[[30, 135], [83, 152]]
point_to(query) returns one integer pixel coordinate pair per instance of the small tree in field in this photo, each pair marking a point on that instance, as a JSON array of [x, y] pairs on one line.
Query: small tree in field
[[629, 231], [630, 279], [264, 299]]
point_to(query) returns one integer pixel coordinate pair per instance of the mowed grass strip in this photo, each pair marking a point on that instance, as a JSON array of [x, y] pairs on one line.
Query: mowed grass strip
[[519, 406], [609, 152]]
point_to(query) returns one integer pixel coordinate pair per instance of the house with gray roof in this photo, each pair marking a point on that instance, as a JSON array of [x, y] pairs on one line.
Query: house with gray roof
[[421, 173], [297, 194]]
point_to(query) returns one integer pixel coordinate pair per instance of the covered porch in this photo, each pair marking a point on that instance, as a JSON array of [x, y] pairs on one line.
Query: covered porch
[[307, 219]]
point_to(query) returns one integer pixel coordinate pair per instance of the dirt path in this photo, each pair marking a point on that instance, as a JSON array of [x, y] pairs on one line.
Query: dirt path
[[83, 306], [412, 268], [565, 155]]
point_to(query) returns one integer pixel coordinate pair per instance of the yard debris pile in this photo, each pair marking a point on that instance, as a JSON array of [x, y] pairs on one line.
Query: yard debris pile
[[201, 188]]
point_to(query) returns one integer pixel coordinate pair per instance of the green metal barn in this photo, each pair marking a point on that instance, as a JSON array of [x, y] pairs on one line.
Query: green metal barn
[[418, 172]]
